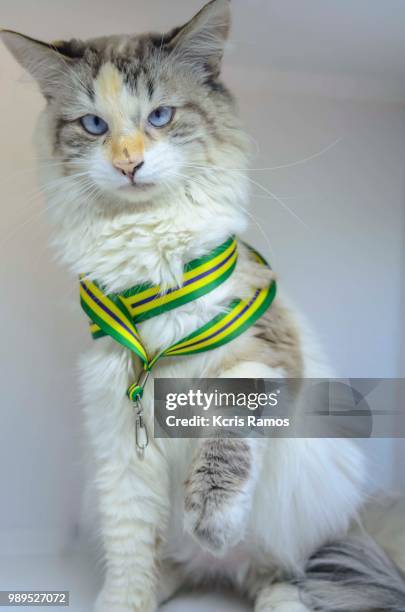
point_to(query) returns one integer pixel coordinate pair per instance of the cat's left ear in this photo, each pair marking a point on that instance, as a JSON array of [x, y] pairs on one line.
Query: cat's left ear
[[201, 41], [46, 62]]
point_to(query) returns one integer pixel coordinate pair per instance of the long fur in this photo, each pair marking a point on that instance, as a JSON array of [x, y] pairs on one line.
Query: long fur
[[247, 513]]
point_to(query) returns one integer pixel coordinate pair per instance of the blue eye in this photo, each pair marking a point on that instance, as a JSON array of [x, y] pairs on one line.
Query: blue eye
[[161, 116], [94, 125]]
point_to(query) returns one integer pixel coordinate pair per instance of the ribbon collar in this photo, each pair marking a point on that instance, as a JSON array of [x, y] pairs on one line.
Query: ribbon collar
[[117, 314]]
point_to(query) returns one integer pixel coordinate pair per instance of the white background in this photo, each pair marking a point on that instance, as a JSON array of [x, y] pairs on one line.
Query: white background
[[309, 76]]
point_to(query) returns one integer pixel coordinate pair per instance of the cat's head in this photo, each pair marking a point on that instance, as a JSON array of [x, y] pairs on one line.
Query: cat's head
[[133, 116]]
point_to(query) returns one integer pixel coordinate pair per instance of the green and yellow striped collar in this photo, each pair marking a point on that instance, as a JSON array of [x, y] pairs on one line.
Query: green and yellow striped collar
[[117, 315], [200, 276]]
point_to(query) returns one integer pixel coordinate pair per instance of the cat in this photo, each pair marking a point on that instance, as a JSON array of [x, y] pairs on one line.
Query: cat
[[145, 163]]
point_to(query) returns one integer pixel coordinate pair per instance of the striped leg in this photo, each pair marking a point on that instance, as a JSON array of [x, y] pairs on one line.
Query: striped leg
[[222, 479], [219, 493]]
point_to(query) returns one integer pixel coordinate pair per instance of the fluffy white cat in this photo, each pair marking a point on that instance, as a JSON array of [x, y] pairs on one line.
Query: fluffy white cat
[[147, 172]]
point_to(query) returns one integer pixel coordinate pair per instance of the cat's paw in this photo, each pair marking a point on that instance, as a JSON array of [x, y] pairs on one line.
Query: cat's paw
[[216, 521], [109, 602], [280, 598], [218, 494], [288, 606], [106, 607]]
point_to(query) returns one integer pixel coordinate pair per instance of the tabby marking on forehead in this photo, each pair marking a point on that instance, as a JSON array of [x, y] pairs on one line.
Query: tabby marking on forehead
[[120, 108], [109, 83]]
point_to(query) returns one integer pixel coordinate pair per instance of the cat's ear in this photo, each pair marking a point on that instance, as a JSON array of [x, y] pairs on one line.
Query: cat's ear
[[201, 41], [46, 62]]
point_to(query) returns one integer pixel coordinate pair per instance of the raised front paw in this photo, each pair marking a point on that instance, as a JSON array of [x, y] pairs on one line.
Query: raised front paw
[[218, 495]]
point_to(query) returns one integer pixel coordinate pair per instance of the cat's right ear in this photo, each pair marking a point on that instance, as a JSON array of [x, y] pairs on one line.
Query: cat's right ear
[[47, 63]]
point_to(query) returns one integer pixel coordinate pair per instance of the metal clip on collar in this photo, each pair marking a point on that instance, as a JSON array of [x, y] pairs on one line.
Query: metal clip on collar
[[141, 431]]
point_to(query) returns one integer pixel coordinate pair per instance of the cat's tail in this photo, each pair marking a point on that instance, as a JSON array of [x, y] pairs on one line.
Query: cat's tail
[[352, 575]]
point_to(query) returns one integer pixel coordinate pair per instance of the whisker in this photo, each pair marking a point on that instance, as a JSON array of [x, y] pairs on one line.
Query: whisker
[[279, 200], [249, 214], [269, 193], [85, 189], [258, 225], [271, 168], [35, 168]]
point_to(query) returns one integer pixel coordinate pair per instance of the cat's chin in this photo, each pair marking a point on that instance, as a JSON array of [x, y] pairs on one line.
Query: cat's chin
[[139, 192]]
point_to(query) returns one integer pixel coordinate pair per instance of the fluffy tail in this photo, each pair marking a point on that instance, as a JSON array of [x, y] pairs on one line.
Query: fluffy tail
[[353, 575]]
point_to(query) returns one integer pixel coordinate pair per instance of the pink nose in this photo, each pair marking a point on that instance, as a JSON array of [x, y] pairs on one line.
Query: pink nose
[[128, 166]]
